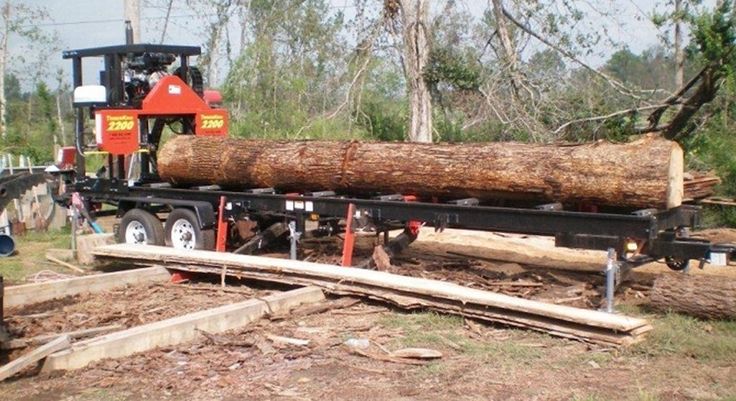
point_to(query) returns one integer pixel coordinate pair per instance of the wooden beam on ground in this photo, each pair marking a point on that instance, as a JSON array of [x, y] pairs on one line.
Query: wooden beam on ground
[[45, 338], [34, 356], [407, 292], [27, 294], [178, 329]]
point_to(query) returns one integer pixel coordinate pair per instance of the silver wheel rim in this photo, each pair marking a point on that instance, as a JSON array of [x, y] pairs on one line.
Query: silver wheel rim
[[135, 233], [183, 235]]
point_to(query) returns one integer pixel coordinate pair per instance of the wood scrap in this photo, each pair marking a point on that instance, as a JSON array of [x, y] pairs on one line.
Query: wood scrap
[[416, 353], [64, 264], [406, 292], [287, 340], [698, 185], [17, 365], [386, 358]]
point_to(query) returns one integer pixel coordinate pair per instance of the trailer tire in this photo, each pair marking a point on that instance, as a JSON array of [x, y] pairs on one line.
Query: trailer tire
[[182, 231], [140, 227]]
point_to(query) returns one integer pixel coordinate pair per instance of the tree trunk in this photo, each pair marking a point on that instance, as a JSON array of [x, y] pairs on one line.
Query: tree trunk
[[416, 56], [679, 51], [132, 12], [3, 68], [642, 174], [707, 297], [507, 46]]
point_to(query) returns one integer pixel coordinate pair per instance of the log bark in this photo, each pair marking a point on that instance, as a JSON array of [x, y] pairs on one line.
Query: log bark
[[647, 173], [706, 297]]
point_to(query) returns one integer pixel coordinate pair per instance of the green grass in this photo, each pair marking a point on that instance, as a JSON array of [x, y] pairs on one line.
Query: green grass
[[589, 397], [30, 256], [675, 334], [434, 330]]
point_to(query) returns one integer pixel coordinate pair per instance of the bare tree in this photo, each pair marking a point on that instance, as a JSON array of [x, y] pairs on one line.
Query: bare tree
[[20, 20], [132, 13], [214, 34], [416, 49], [679, 52]]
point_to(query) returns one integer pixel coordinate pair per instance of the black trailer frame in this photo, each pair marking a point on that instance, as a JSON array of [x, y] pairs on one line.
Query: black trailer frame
[[656, 233]]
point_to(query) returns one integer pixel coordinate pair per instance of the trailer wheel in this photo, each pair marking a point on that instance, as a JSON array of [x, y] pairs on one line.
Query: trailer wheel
[[677, 264], [183, 232], [140, 227]]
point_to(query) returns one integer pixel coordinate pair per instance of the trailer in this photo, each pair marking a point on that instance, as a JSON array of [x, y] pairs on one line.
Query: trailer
[[140, 94]]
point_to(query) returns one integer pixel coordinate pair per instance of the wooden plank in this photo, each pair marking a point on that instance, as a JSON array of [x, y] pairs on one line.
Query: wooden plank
[[65, 264], [179, 329], [27, 294], [34, 356], [377, 279], [401, 290], [45, 338]]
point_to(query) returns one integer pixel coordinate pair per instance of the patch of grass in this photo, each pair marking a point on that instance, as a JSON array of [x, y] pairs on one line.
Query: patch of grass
[[502, 352], [11, 269], [30, 256], [99, 395], [676, 334], [422, 321], [429, 329], [432, 369], [54, 239], [425, 329], [588, 397], [644, 395]]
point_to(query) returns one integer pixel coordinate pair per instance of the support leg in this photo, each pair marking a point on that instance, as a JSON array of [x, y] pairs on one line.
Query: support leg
[[611, 270]]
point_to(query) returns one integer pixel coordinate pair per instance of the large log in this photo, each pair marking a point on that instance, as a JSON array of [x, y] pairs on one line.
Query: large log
[[641, 174], [703, 296]]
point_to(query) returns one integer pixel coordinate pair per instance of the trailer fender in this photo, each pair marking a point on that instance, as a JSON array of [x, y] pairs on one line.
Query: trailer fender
[[204, 210]]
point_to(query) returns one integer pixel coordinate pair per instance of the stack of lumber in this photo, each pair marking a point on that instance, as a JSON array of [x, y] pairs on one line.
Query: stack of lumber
[[646, 173], [699, 185], [406, 292]]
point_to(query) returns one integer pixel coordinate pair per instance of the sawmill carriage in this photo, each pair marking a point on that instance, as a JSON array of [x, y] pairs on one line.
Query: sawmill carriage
[[147, 92]]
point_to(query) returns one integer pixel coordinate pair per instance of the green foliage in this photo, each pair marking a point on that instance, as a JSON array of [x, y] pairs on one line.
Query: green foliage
[[714, 37], [284, 77], [32, 123], [447, 66]]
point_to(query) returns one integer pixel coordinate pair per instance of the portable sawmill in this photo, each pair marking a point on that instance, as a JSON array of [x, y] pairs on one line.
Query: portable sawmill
[[146, 93]]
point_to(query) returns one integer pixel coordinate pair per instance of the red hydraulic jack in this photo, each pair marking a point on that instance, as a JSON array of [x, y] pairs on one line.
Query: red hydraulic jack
[[349, 244], [221, 227], [393, 247]]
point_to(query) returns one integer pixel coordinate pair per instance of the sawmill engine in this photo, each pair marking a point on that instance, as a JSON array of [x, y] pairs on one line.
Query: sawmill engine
[[143, 72]]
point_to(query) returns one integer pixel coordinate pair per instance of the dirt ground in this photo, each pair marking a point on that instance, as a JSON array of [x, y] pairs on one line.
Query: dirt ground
[[682, 359]]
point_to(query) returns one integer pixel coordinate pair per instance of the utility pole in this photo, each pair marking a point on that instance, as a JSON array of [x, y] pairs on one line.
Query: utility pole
[[132, 11]]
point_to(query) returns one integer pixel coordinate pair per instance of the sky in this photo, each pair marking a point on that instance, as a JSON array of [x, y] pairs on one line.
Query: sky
[[91, 23]]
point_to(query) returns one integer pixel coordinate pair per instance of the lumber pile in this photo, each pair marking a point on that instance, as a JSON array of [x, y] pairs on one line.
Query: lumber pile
[[703, 296], [646, 173], [406, 292], [699, 185]]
